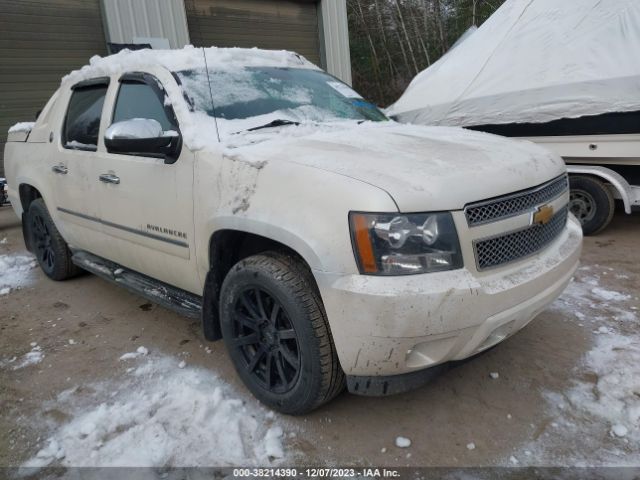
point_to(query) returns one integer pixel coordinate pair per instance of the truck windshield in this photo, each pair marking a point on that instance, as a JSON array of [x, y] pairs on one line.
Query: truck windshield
[[246, 98]]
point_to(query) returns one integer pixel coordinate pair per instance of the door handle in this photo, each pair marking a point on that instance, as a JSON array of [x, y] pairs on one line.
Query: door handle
[[61, 169], [109, 178]]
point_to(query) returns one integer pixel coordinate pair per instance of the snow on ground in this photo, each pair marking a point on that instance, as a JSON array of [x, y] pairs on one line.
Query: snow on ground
[[403, 442], [33, 357], [15, 271], [141, 351], [159, 415], [596, 421]]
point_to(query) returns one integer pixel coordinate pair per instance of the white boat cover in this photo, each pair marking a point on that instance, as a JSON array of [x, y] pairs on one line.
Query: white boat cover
[[534, 61]]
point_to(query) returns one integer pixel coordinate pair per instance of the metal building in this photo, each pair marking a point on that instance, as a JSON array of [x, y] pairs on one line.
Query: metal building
[[42, 40]]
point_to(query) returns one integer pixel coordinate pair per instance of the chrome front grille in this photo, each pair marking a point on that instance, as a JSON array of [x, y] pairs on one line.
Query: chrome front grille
[[515, 204], [512, 246]]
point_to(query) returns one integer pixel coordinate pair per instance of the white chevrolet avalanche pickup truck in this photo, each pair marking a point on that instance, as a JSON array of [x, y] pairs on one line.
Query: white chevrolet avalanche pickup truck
[[326, 244]]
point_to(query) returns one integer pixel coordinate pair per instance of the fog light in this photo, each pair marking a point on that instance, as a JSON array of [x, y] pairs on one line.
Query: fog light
[[498, 335]]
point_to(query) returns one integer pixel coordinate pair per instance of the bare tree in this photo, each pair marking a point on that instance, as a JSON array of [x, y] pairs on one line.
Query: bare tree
[[392, 40], [406, 35]]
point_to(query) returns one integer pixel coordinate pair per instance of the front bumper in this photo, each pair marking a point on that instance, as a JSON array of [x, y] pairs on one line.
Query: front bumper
[[386, 326]]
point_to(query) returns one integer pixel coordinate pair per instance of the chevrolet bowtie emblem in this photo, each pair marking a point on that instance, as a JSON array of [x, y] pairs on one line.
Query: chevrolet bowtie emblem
[[542, 215]]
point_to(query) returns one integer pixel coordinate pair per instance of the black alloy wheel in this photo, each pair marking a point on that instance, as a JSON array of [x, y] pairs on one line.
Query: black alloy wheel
[[42, 243], [45, 242], [266, 339]]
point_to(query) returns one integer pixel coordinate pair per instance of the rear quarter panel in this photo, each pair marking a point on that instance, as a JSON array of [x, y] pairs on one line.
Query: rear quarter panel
[[26, 156]]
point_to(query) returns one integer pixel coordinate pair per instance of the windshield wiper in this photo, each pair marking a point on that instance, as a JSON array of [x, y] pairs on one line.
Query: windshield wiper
[[275, 123]]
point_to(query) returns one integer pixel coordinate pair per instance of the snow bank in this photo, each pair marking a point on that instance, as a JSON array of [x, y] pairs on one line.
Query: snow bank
[[615, 361], [160, 415], [15, 271], [597, 419]]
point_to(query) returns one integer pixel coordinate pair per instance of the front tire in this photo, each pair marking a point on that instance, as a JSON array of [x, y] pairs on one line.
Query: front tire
[[50, 249], [591, 202], [276, 331]]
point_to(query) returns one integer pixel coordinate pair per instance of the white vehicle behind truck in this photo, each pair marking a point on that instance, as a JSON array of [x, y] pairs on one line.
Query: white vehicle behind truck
[[327, 245], [564, 75]]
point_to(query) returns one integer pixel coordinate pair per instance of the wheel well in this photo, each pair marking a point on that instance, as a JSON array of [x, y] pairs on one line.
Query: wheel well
[[605, 182], [226, 248], [613, 180], [28, 194], [595, 176]]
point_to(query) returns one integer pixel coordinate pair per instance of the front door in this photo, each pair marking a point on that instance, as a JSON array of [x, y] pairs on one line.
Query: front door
[[146, 204]]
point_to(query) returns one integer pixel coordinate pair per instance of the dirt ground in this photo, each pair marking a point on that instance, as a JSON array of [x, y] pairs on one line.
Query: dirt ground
[[463, 418]]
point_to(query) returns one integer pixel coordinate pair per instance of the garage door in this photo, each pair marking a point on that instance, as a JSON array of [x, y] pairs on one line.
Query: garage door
[[40, 41], [270, 24]]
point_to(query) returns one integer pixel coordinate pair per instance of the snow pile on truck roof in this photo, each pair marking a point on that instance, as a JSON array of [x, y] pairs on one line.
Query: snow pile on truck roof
[[187, 58], [534, 61], [22, 127], [198, 129]]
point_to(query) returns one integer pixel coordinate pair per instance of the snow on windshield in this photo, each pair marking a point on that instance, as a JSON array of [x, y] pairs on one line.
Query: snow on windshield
[[235, 87], [244, 98]]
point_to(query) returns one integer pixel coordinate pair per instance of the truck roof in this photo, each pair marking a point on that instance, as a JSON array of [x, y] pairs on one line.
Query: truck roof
[[187, 58]]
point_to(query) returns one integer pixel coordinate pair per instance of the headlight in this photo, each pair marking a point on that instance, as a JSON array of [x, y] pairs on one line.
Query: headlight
[[397, 244]]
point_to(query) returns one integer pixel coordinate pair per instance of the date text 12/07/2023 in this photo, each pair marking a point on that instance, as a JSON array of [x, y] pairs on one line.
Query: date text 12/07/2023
[[371, 472]]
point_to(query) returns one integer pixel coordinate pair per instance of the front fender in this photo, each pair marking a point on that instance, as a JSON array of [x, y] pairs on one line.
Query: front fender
[[304, 208]]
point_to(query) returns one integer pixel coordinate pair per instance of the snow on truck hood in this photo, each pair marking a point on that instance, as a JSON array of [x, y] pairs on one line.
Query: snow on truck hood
[[422, 168]]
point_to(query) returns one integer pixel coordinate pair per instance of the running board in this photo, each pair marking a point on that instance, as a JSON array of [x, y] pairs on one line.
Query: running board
[[180, 301]]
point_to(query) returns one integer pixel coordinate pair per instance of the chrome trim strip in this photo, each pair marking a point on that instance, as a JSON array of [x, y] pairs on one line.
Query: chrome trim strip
[[512, 196], [125, 228]]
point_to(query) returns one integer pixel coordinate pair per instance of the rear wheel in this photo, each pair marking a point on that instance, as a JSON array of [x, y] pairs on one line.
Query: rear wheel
[[591, 202], [276, 331], [50, 249]]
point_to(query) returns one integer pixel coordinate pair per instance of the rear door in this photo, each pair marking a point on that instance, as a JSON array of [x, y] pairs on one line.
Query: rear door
[[146, 205], [72, 163]]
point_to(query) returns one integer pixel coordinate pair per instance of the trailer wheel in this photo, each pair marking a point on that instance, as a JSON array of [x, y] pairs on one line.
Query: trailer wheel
[[591, 202]]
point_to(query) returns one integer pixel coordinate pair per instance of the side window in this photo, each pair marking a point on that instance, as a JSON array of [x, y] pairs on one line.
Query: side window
[[82, 122], [140, 100]]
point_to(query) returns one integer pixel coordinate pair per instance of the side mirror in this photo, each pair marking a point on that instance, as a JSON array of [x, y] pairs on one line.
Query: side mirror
[[143, 137]]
